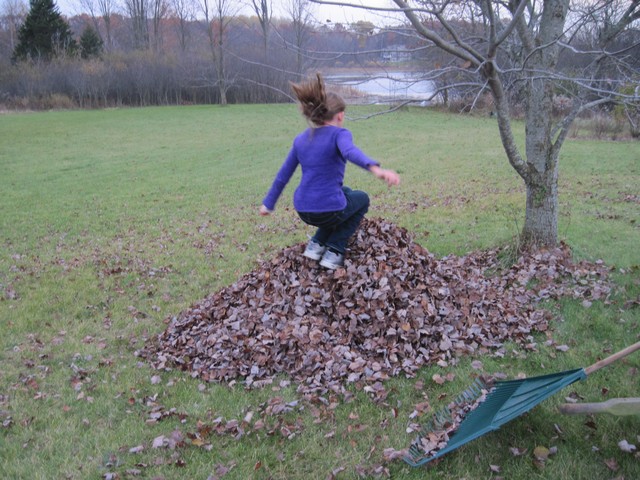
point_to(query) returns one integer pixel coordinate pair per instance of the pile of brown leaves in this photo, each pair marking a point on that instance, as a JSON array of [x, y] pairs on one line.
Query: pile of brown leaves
[[392, 309]]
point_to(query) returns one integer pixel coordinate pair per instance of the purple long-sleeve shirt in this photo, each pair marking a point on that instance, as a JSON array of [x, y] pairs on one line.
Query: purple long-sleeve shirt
[[322, 154]]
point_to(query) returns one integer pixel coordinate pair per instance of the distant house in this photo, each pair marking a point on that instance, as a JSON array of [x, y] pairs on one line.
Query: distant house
[[396, 53]]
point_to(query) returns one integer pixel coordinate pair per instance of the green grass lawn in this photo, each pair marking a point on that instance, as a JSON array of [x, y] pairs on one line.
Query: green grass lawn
[[113, 221]]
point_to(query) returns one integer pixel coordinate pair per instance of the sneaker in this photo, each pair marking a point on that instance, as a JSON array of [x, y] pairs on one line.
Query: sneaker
[[332, 260], [314, 250]]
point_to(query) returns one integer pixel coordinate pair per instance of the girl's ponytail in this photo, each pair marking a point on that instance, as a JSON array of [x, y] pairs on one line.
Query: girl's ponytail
[[316, 104]]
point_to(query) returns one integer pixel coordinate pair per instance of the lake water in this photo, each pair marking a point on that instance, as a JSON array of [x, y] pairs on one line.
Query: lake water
[[386, 86]]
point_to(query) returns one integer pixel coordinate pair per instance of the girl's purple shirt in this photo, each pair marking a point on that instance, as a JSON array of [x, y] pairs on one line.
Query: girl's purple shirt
[[322, 153]]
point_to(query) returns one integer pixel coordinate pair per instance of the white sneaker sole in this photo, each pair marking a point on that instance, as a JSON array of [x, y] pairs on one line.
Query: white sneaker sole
[[330, 265], [312, 255]]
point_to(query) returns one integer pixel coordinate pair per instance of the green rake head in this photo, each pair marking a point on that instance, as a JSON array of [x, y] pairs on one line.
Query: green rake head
[[504, 401], [442, 420]]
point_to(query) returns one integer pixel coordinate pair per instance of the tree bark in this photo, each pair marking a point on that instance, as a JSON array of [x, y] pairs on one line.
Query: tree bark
[[541, 174]]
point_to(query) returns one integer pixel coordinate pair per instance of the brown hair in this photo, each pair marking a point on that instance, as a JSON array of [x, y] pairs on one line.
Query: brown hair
[[317, 105]]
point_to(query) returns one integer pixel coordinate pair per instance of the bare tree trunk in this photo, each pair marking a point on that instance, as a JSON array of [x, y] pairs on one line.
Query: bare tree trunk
[[218, 14], [160, 9], [101, 9], [541, 178], [300, 15], [183, 9], [263, 11], [137, 10], [219, 61], [14, 12], [106, 11]]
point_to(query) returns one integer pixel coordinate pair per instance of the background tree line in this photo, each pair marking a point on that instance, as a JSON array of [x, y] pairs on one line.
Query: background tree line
[[157, 52]]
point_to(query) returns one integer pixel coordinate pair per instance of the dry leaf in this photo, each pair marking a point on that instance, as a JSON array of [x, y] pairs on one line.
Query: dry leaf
[[626, 446], [612, 464], [541, 453]]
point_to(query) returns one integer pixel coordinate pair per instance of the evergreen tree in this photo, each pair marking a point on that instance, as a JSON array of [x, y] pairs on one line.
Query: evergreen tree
[[90, 43], [44, 33]]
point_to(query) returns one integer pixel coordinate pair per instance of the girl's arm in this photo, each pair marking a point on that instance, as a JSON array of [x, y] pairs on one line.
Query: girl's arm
[[282, 178]]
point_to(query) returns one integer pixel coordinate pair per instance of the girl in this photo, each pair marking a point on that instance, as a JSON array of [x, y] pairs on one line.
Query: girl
[[323, 151]]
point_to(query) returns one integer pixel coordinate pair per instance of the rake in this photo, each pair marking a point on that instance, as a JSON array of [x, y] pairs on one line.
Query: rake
[[504, 401]]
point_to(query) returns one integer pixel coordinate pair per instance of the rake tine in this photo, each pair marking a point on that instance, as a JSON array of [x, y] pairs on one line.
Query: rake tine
[[442, 417]]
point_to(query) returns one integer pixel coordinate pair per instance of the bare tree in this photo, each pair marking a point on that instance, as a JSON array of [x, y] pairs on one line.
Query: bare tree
[[13, 15], [300, 13], [218, 14], [100, 10], [264, 11], [535, 32], [138, 11], [184, 12], [159, 10]]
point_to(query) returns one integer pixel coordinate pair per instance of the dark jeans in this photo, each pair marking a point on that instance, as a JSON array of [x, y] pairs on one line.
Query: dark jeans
[[335, 228]]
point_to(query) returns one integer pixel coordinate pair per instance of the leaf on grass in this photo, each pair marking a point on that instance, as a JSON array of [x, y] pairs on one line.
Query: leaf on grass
[[612, 464], [626, 446], [334, 473], [391, 454], [517, 452], [541, 453], [158, 442]]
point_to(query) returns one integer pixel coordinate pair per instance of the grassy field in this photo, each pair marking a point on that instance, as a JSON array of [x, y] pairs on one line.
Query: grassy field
[[113, 221]]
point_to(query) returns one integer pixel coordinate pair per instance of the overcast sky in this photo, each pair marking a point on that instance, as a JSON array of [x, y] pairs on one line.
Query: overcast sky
[[322, 13]]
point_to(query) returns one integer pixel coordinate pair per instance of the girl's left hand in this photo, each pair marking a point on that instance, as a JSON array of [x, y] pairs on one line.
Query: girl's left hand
[[389, 176]]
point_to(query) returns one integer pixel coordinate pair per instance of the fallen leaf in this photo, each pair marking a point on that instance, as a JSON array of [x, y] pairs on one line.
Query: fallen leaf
[[476, 365], [391, 454], [612, 464], [626, 446], [541, 453], [517, 452], [158, 442]]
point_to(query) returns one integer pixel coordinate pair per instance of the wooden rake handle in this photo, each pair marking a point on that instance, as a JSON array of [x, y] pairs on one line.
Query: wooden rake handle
[[609, 360], [614, 406]]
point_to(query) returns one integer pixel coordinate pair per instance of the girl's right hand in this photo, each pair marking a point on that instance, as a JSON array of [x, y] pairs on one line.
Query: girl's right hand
[[264, 211]]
